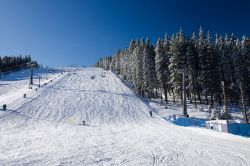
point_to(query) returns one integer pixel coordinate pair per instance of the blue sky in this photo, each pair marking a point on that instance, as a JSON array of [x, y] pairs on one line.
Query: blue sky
[[65, 32]]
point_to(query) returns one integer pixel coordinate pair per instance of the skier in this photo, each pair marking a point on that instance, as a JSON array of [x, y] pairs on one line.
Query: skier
[[151, 113], [4, 107], [83, 123]]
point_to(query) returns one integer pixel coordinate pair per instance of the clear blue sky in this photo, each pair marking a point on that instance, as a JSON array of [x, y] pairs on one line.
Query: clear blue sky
[[65, 32]]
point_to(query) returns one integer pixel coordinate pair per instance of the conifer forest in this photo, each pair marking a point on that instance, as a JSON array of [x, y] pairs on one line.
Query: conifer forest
[[216, 68]]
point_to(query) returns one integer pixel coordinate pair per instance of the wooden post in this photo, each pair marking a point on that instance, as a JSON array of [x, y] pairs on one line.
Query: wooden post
[[225, 98], [31, 75], [184, 94]]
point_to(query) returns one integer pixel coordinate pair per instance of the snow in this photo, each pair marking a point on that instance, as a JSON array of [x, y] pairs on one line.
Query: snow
[[45, 128], [17, 84]]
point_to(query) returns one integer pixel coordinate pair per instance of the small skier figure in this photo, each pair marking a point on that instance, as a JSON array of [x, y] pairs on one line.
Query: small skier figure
[[83, 123], [151, 113], [4, 107]]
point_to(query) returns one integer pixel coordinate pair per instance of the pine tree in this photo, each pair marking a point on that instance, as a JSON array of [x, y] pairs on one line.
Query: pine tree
[[149, 75], [152, 73], [178, 63], [203, 64], [146, 62], [166, 46], [213, 77], [141, 57], [193, 68], [113, 63], [233, 51], [138, 53], [117, 63], [224, 60], [161, 63], [242, 65], [131, 62], [160, 66]]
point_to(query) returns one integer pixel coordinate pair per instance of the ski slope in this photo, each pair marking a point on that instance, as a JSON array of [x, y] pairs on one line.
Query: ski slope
[[46, 128]]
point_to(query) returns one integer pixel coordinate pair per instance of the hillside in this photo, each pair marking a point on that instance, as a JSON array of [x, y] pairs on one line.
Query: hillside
[[46, 127]]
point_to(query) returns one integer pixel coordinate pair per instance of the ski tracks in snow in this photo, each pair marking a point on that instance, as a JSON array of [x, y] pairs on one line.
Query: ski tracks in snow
[[47, 130]]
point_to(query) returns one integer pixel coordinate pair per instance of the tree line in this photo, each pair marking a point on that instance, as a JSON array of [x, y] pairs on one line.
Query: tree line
[[216, 69], [12, 63]]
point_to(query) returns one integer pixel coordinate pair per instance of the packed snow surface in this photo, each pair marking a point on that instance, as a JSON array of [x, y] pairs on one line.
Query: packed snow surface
[[46, 128]]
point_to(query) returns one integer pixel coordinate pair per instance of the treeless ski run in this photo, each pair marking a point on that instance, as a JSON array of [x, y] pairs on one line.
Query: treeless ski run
[[47, 129]]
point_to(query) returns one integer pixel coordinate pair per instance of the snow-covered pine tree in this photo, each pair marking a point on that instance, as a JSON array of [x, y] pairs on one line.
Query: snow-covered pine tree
[[242, 67], [126, 66], [146, 52], [178, 63], [112, 66], [213, 76], [246, 50], [166, 46], [139, 69], [217, 51], [161, 64], [131, 63], [224, 60], [105, 63], [122, 63], [141, 58], [149, 75], [152, 73], [193, 69], [234, 89], [203, 64], [230, 72], [172, 65], [117, 61]]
